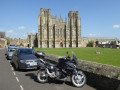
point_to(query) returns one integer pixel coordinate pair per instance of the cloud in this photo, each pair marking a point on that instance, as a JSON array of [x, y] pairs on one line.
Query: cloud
[[33, 31], [16, 32], [10, 31], [11, 34], [1, 30], [116, 26], [94, 35], [23, 36], [19, 32], [20, 28]]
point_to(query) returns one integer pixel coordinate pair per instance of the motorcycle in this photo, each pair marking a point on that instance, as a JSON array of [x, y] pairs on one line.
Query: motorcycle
[[64, 68]]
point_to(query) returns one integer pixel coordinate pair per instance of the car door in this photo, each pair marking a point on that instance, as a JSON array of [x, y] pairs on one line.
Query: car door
[[15, 57]]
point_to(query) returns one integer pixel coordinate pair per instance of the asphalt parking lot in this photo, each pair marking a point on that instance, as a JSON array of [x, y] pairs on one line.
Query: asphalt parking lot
[[27, 80]]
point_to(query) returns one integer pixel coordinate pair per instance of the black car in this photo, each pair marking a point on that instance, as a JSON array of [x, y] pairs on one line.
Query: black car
[[24, 58]]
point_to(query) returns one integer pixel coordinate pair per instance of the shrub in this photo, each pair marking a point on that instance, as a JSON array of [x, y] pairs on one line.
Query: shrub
[[90, 44], [8, 41]]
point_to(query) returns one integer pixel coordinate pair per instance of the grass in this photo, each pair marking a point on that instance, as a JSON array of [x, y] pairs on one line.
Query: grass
[[107, 56]]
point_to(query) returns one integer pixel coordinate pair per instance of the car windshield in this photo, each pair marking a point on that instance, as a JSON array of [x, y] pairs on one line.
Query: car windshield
[[11, 45], [26, 51], [12, 50]]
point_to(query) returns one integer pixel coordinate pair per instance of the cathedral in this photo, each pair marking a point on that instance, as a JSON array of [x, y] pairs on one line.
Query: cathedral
[[53, 33]]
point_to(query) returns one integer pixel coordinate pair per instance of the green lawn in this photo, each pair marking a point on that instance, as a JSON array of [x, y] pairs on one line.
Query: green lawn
[[107, 56]]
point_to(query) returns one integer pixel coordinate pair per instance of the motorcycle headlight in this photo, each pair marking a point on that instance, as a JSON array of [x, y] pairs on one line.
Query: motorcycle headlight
[[51, 67], [40, 53]]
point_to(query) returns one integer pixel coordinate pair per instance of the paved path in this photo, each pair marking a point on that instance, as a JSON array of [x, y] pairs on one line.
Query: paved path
[[26, 80]]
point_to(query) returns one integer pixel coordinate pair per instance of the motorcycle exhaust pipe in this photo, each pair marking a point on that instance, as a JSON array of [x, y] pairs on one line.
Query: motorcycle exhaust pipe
[[52, 75]]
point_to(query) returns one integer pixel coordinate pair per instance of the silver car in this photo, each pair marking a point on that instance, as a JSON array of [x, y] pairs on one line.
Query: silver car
[[10, 52]]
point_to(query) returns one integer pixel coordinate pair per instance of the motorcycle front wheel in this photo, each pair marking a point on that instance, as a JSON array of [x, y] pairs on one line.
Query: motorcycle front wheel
[[42, 76], [78, 80]]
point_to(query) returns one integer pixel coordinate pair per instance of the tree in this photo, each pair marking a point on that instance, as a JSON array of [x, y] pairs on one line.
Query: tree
[[90, 44], [8, 41], [21, 43]]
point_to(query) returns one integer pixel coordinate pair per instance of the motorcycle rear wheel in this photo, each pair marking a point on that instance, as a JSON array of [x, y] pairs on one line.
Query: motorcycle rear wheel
[[79, 80], [42, 76]]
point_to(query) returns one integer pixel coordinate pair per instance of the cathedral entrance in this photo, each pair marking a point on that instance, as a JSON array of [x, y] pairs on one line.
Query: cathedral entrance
[[61, 45], [28, 45]]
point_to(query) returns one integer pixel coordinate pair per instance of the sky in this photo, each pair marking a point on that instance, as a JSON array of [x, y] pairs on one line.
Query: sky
[[99, 18]]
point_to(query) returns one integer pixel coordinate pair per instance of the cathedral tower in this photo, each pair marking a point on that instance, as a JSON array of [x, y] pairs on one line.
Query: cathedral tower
[[44, 28], [74, 24]]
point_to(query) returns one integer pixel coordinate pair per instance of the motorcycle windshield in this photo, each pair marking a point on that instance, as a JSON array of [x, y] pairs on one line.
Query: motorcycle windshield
[[74, 57]]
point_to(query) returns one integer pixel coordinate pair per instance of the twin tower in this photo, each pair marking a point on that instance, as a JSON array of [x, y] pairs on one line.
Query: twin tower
[[53, 33]]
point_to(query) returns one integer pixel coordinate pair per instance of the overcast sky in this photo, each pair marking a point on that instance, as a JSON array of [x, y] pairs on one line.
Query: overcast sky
[[99, 18]]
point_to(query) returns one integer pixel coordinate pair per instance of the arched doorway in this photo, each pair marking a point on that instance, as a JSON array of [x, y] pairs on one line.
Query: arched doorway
[[61, 45], [28, 45]]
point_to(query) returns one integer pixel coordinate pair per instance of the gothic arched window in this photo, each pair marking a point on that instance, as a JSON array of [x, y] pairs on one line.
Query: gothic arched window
[[61, 33], [58, 33], [43, 33]]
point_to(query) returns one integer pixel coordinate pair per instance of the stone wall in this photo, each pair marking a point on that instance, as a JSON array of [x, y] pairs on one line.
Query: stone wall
[[2, 34], [100, 76], [100, 69], [3, 43]]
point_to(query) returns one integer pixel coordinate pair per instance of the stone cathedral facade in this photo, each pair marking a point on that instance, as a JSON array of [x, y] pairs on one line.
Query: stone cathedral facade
[[53, 33]]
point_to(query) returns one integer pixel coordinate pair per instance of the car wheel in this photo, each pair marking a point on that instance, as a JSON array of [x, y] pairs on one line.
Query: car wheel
[[16, 67], [7, 58]]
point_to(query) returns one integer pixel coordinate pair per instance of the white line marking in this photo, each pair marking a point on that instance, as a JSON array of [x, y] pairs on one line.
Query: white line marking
[[12, 68], [21, 87], [17, 79], [14, 73]]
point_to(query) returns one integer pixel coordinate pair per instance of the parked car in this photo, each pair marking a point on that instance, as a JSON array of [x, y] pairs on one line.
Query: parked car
[[40, 54], [24, 58], [9, 47], [12, 45], [10, 52], [20, 46]]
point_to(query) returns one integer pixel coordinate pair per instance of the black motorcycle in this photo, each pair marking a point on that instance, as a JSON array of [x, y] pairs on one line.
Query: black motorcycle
[[64, 68]]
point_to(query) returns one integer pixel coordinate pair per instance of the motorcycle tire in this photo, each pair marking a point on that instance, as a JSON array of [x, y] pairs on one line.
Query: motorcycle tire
[[80, 80], [42, 77]]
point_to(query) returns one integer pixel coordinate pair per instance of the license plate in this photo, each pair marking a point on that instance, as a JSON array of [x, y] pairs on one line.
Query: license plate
[[33, 64]]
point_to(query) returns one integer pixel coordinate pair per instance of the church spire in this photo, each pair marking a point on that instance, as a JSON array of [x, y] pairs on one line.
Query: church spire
[[60, 19]]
